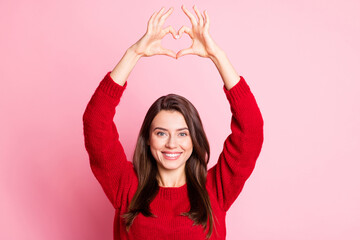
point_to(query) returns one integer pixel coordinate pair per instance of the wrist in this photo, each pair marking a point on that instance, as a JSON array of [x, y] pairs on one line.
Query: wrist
[[217, 56], [133, 50], [122, 70]]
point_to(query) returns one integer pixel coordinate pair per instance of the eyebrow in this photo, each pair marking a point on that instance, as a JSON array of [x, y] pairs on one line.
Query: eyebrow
[[164, 129]]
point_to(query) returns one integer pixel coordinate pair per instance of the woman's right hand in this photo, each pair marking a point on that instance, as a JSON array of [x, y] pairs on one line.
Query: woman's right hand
[[150, 43]]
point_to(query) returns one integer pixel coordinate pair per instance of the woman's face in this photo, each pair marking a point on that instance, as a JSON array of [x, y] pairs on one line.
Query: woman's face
[[170, 140]]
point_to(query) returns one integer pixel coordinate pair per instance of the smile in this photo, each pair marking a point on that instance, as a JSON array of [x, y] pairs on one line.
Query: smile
[[171, 156]]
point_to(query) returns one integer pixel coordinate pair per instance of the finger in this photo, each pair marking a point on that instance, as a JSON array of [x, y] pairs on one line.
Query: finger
[[203, 16], [185, 52], [159, 14], [190, 16], [198, 14], [152, 18], [171, 30], [186, 30], [165, 16], [167, 52], [207, 20]]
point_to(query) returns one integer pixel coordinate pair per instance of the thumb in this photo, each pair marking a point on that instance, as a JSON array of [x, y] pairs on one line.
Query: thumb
[[183, 52], [167, 52]]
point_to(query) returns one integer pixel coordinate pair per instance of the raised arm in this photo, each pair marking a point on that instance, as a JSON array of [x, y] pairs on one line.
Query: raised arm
[[107, 158], [242, 147]]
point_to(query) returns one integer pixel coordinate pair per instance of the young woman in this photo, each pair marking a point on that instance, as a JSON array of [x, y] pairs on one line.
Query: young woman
[[167, 191]]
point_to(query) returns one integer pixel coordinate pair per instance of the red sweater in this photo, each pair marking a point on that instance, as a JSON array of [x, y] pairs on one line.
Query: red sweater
[[118, 179]]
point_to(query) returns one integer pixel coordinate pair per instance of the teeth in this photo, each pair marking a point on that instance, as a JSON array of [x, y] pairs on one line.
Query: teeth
[[172, 155]]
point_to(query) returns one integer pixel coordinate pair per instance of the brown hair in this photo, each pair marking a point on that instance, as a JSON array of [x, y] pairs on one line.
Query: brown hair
[[195, 167]]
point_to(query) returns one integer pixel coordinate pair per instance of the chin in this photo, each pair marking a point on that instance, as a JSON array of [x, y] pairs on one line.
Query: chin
[[171, 166]]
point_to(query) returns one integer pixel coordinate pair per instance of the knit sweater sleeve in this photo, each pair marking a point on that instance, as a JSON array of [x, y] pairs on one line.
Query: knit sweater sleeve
[[241, 148], [107, 157]]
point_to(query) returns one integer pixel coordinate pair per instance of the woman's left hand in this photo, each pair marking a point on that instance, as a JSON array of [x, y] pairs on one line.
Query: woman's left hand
[[203, 45]]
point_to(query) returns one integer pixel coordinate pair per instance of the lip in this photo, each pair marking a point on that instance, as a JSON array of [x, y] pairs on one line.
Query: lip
[[171, 158]]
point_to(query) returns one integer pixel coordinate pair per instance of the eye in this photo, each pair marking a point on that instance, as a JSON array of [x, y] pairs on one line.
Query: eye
[[183, 134], [160, 133]]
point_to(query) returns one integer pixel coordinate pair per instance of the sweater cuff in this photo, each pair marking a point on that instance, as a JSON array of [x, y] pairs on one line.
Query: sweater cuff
[[237, 92], [111, 88]]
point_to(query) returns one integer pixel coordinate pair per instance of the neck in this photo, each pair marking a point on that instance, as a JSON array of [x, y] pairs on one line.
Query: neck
[[171, 179]]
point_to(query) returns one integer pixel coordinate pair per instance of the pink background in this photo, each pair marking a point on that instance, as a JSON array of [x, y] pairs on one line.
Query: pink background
[[300, 58]]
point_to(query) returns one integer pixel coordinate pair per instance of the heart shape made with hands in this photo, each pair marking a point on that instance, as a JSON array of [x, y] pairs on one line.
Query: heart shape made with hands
[[201, 43], [178, 44]]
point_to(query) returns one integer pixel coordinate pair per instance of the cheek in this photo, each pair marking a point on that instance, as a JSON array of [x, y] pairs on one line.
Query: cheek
[[155, 143], [187, 144], [154, 147]]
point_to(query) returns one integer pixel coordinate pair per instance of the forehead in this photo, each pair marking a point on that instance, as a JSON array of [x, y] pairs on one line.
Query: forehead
[[169, 120]]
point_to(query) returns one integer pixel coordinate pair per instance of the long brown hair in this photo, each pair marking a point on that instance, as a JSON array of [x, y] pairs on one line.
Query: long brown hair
[[195, 167]]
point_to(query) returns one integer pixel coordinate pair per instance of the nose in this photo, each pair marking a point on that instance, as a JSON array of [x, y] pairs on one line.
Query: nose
[[171, 142]]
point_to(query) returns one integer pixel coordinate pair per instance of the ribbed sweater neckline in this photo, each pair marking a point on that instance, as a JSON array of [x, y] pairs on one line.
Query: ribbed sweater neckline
[[172, 192]]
